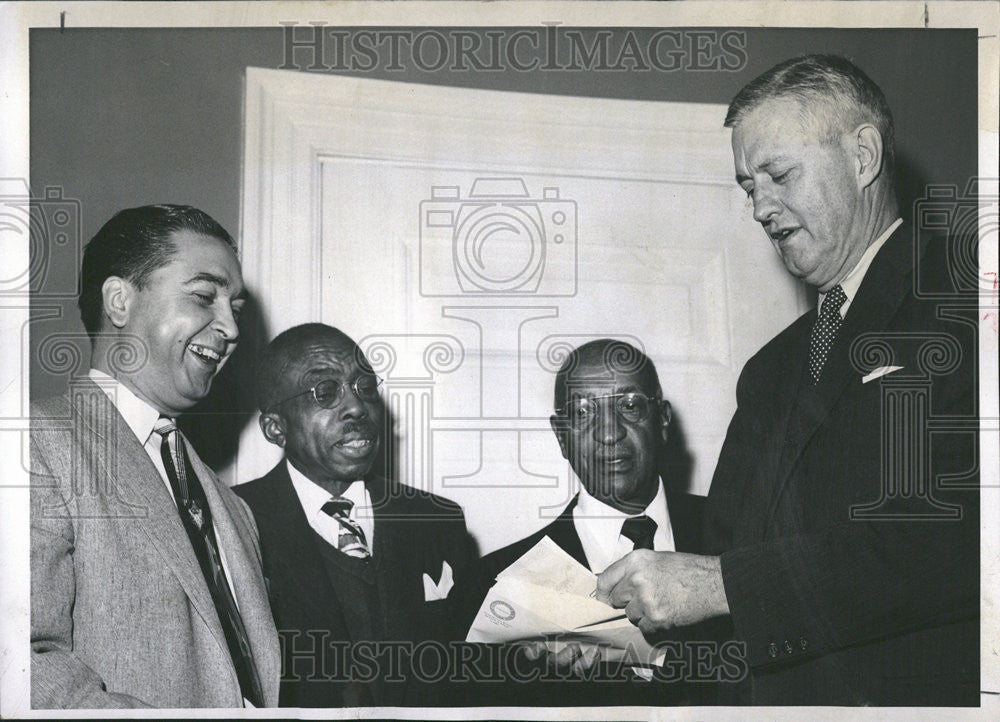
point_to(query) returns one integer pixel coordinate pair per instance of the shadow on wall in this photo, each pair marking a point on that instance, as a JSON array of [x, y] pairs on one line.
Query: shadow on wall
[[214, 426], [676, 463], [911, 185]]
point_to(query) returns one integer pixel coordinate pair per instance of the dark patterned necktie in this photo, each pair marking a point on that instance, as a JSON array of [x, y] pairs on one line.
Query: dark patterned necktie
[[825, 330], [352, 537], [640, 529], [197, 519]]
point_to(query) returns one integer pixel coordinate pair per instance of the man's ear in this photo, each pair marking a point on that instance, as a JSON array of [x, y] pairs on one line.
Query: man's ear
[[867, 142], [273, 427], [666, 416], [117, 295], [558, 424]]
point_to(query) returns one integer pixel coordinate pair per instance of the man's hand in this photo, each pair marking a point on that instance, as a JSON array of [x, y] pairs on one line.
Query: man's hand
[[662, 590], [571, 658]]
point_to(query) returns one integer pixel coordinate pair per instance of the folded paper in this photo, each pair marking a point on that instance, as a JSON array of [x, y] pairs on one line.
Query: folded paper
[[547, 595]]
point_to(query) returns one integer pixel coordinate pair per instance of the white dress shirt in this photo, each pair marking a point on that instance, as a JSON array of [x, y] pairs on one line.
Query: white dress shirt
[[852, 281], [599, 527], [312, 496]]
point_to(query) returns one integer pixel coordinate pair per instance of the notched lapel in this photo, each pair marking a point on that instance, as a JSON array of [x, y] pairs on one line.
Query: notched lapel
[[234, 537], [288, 545], [130, 481], [881, 293], [563, 532]]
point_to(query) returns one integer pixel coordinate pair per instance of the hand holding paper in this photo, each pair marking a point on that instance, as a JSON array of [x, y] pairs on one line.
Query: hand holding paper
[[547, 593], [663, 590]]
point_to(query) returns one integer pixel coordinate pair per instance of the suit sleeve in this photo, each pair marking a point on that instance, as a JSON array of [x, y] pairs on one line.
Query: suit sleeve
[[851, 583], [59, 678]]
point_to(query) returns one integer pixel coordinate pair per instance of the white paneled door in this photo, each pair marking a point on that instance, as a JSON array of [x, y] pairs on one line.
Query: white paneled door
[[468, 238]]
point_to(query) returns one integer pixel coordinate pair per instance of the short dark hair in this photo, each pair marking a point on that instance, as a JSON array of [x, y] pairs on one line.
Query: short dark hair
[[286, 345], [833, 91], [133, 244], [614, 355]]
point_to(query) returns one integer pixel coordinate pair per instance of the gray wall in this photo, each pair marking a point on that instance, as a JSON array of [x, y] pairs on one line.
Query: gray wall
[[125, 117]]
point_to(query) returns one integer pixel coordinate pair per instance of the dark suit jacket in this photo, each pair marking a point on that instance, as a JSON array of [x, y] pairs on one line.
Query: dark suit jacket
[[851, 568], [415, 532], [609, 686]]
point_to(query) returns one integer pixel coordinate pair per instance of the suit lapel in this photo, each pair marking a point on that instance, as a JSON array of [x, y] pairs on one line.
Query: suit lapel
[[783, 405], [879, 297], [398, 561], [292, 547], [563, 532], [133, 477], [234, 537]]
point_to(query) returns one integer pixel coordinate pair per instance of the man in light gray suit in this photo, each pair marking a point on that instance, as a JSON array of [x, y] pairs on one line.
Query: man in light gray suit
[[146, 584]]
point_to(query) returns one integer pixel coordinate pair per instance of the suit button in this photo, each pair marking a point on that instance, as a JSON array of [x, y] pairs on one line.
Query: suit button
[[788, 647], [772, 650], [803, 643]]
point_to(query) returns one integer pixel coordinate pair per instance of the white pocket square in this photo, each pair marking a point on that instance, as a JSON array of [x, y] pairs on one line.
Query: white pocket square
[[434, 592], [880, 371]]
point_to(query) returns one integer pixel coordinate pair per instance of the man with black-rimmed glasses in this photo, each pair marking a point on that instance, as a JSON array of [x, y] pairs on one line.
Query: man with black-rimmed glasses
[[611, 422], [359, 566]]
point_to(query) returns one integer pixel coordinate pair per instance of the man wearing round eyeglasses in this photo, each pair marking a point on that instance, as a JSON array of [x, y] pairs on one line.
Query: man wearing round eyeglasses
[[611, 423], [359, 566]]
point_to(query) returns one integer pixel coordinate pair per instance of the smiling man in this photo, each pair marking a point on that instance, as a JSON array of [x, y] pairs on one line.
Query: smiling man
[[359, 566], [843, 518], [146, 585], [611, 422]]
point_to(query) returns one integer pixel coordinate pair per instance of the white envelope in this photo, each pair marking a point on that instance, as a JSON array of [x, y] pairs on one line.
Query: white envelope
[[546, 593]]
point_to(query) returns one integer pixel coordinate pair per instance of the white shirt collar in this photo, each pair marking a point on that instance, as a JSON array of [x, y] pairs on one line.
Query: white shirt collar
[[599, 528], [312, 496], [852, 281], [139, 415]]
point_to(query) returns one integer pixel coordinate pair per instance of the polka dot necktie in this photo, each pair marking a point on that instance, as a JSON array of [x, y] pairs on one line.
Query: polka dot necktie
[[640, 529], [352, 537], [824, 333]]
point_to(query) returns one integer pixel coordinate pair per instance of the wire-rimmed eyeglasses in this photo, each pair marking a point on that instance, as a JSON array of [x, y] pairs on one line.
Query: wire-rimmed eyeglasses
[[329, 393], [631, 406]]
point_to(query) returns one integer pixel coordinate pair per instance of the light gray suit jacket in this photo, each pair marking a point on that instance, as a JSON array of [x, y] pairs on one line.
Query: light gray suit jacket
[[121, 615]]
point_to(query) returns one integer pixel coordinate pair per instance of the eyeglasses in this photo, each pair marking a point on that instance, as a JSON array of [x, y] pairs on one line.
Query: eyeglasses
[[329, 393], [632, 406]]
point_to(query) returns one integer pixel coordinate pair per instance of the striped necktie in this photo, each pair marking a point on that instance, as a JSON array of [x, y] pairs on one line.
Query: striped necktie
[[352, 537], [192, 505]]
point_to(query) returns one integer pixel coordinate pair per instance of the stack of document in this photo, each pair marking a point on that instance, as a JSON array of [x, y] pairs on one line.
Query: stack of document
[[547, 595]]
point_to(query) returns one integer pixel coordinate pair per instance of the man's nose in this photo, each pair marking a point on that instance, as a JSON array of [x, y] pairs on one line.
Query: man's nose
[[351, 406], [609, 429], [225, 323], [765, 205]]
